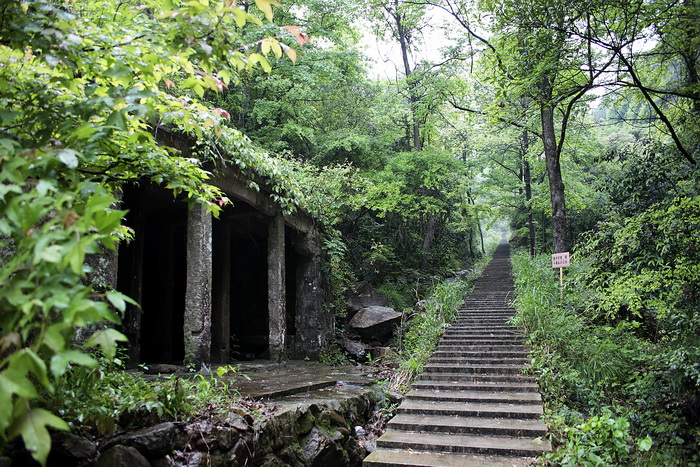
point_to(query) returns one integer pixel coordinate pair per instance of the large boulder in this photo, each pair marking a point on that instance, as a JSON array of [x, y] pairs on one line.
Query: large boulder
[[363, 295], [154, 441], [375, 323]]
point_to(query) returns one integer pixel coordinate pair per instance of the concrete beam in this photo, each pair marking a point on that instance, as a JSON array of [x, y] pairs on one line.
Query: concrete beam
[[234, 185]]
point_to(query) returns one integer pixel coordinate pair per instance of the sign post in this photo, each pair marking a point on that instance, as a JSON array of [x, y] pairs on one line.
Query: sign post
[[561, 261]]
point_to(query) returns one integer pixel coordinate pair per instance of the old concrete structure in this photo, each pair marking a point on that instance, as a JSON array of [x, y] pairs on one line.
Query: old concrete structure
[[244, 285]]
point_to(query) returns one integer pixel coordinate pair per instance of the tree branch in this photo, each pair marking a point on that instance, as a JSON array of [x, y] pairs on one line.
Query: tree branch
[[500, 119], [657, 109]]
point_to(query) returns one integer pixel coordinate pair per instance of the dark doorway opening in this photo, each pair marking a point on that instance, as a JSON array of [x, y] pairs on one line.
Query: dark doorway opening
[[291, 257], [248, 312], [152, 270]]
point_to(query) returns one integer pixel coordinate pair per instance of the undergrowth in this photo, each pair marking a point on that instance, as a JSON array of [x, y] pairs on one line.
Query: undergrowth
[[102, 400], [612, 396]]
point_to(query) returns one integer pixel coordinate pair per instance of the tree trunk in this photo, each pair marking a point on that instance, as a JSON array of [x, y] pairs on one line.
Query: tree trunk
[[481, 238], [428, 237], [412, 98], [551, 153], [556, 184], [527, 181]]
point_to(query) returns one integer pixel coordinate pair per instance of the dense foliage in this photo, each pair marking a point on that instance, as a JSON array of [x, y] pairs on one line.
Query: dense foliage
[[84, 87]]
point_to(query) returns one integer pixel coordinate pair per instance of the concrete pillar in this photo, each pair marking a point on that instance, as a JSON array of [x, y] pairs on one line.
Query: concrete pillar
[[221, 306], [276, 289], [197, 325], [313, 327]]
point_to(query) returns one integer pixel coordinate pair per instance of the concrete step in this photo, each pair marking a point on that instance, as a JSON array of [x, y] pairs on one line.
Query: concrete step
[[469, 425], [496, 369], [506, 378], [481, 325], [467, 332], [476, 340], [467, 354], [474, 327], [398, 458], [482, 321], [480, 360], [475, 396], [444, 442], [516, 386], [507, 338], [486, 347], [471, 409]]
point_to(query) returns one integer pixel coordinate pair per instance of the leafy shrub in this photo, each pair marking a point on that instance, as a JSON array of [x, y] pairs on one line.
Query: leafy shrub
[[586, 365], [603, 439]]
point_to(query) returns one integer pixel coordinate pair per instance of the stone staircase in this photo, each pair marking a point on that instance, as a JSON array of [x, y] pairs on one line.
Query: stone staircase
[[471, 406]]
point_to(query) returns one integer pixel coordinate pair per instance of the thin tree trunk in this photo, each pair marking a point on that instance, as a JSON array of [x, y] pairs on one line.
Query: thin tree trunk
[[481, 238], [428, 238], [527, 181], [412, 99]]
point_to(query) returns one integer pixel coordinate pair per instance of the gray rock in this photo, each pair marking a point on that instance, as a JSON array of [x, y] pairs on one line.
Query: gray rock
[[237, 421], [226, 437], [319, 450], [69, 449], [375, 322], [356, 451], [354, 348], [121, 456], [152, 442], [241, 453]]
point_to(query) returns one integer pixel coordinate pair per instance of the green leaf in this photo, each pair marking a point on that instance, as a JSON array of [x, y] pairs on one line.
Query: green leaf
[[60, 361], [15, 381], [69, 157], [119, 300], [645, 444], [266, 7], [5, 403], [25, 360], [107, 340], [32, 427], [116, 120]]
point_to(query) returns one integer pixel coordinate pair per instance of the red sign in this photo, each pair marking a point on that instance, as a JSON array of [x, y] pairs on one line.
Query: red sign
[[560, 260]]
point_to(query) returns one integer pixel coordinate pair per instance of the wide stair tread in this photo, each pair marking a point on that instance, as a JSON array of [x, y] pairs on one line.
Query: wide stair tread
[[471, 409], [477, 385], [473, 425], [475, 396], [400, 457], [451, 442]]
